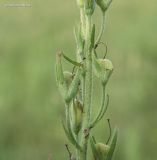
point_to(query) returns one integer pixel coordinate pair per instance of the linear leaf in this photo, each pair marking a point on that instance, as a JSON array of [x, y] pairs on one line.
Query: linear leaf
[[112, 144]]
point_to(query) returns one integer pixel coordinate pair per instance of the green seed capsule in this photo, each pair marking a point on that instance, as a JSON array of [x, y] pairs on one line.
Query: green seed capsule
[[89, 7], [103, 4], [67, 83], [102, 149], [103, 69], [105, 64], [77, 115], [80, 3], [107, 69]]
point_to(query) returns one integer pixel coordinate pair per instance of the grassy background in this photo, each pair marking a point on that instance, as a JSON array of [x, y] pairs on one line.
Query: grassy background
[[30, 105]]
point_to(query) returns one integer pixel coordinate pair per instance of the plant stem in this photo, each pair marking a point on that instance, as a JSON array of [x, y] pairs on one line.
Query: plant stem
[[83, 30], [88, 91]]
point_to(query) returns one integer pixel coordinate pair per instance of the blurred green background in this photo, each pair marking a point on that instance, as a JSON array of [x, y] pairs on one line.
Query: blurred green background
[[30, 105]]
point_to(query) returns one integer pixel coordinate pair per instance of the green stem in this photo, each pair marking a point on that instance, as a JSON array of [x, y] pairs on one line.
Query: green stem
[[102, 29], [83, 30], [88, 91]]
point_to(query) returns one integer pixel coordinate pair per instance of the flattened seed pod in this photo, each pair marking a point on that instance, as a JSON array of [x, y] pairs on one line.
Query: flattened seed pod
[[80, 3], [77, 115], [103, 4], [103, 69], [102, 149], [89, 7]]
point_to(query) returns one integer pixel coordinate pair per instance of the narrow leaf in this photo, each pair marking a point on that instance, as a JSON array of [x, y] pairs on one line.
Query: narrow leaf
[[71, 61], [67, 133], [70, 131], [112, 144]]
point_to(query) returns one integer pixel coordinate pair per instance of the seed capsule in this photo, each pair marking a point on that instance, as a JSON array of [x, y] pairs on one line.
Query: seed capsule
[[102, 149], [77, 115], [103, 69], [67, 83], [107, 69], [89, 7], [105, 64], [103, 4], [80, 3]]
